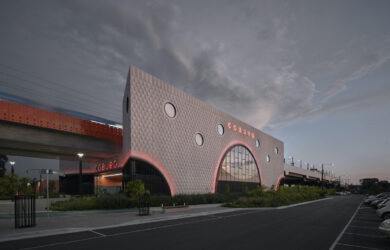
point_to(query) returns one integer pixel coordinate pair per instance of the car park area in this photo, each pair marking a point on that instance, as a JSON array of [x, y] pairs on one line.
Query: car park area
[[362, 231]]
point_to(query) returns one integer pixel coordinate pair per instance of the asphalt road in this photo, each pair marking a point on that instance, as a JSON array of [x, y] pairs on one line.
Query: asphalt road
[[311, 226]]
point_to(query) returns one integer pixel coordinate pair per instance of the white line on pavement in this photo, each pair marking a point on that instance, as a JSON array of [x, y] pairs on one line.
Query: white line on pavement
[[103, 235], [355, 246], [371, 228], [61, 243], [367, 235], [344, 229]]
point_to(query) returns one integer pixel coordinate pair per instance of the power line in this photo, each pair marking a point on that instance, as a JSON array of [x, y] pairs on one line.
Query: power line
[[54, 89]]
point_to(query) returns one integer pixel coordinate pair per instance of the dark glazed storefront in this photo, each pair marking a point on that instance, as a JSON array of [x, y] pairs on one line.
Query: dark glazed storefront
[[113, 179], [149, 175]]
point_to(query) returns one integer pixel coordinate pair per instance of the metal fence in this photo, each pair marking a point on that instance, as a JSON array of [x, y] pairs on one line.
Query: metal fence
[[25, 211], [144, 205]]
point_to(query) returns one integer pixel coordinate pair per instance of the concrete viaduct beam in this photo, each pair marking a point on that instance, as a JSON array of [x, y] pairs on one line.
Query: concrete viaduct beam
[[24, 140]]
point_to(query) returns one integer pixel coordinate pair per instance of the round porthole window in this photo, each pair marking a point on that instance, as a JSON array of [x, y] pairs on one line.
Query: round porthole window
[[199, 139], [220, 129], [276, 150], [268, 158], [257, 143], [170, 109]]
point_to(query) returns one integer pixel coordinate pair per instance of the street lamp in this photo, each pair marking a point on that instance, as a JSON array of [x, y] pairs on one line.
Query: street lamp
[[322, 173], [292, 160], [12, 167], [80, 155]]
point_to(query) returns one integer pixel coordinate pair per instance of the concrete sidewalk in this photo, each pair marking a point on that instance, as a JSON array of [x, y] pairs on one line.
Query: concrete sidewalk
[[53, 223]]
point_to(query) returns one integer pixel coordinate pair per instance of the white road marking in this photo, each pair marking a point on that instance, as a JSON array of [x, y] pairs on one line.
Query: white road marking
[[355, 246], [367, 235], [62, 243], [371, 228], [345, 228], [103, 235]]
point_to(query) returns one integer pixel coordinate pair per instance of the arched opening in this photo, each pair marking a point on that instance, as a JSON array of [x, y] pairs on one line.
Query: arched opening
[[153, 180], [238, 171]]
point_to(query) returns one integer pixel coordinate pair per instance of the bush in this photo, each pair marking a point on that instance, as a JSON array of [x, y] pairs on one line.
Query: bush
[[136, 189], [80, 203], [282, 197], [10, 184], [118, 201]]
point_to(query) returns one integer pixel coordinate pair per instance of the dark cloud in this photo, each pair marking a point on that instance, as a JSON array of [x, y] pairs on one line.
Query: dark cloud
[[258, 66]]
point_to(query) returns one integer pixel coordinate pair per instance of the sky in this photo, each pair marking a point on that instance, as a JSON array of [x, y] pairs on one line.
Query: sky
[[314, 74]]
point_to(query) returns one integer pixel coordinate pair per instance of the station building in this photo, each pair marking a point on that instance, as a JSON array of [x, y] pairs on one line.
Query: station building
[[177, 144]]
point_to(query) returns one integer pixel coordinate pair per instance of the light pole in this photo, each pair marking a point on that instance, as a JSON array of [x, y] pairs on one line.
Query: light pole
[[300, 163], [292, 160], [322, 173], [12, 167], [80, 155]]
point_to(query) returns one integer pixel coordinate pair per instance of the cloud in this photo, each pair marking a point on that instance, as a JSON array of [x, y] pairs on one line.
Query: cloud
[[249, 66]]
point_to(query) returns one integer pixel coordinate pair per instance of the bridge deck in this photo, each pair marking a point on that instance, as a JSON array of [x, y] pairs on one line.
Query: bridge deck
[[22, 114]]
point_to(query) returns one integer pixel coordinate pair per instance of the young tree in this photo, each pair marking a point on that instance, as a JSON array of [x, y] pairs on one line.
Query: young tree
[[136, 189], [25, 186], [9, 185]]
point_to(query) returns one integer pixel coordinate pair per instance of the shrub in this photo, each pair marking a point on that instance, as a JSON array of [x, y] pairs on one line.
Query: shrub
[[284, 196], [136, 189], [226, 188]]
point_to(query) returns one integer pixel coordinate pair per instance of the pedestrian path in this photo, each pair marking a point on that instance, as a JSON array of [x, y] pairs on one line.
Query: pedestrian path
[[76, 221]]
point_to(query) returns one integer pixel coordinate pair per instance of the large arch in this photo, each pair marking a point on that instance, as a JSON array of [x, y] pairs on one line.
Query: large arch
[[281, 177], [152, 161], [227, 148]]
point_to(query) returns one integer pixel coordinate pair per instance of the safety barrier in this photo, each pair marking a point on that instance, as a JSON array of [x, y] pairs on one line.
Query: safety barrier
[[144, 205], [25, 211], [18, 113]]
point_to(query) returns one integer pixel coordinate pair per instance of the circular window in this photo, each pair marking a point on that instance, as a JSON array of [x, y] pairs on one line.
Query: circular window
[[257, 143], [199, 139], [268, 158], [276, 150], [220, 129], [170, 109]]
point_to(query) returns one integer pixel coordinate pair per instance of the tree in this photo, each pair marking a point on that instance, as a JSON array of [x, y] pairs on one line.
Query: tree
[[136, 189], [9, 185], [52, 186], [3, 161], [25, 186], [368, 182]]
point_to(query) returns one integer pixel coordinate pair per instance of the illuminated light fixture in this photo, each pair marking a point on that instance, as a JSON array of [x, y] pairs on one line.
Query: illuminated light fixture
[[111, 175], [80, 155], [12, 163]]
